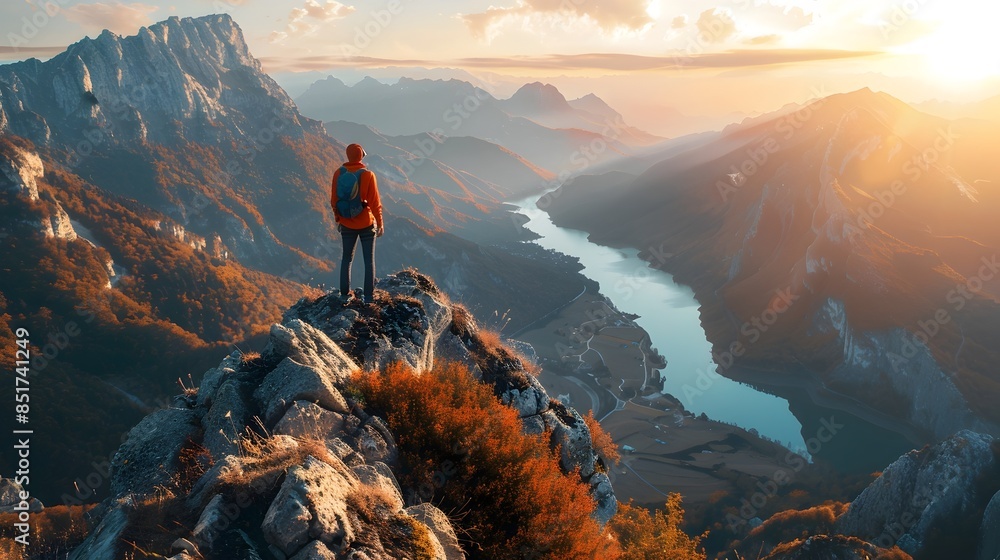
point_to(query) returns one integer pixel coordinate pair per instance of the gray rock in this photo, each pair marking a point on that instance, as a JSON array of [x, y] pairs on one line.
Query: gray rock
[[374, 442], [533, 425], [872, 359], [103, 542], [312, 505], [210, 482], [989, 533], [307, 420], [571, 434], [9, 492], [184, 545], [211, 524], [10, 497], [381, 480], [919, 491], [20, 171], [450, 348], [311, 347], [292, 381], [315, 551], [438, 523], [225, 421], [530, 401], [148, 458], [213, 378], [58, 225], [604, 496]]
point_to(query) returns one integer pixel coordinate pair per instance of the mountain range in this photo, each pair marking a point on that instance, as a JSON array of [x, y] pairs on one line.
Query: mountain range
[[537, 122], [850, 242], [153, 182], [165, 203]]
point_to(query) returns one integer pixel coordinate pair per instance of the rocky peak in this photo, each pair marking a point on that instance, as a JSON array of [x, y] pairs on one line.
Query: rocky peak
[[273, 456], [190, 78], [537, 97]]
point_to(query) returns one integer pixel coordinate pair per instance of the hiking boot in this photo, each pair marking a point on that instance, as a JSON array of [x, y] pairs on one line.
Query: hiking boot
[[346, 298]]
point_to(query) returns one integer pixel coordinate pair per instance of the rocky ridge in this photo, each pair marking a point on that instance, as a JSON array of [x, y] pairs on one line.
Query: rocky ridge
[[192, 79], [272, 457]]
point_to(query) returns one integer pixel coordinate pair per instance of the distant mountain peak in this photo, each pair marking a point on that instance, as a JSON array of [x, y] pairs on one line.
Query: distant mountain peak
[[594, 104], [539, 97]]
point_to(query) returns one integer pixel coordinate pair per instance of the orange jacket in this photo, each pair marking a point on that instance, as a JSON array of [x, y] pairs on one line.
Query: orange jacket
[[372, 214]]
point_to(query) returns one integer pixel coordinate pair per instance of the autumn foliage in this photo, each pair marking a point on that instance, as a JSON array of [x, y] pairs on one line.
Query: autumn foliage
[[655, 536], [466, 452]]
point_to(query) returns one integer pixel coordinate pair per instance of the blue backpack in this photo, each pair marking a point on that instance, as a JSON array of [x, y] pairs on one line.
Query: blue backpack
[[349, 203]]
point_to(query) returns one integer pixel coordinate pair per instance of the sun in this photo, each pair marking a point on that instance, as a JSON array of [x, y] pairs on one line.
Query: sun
[[964, 46]]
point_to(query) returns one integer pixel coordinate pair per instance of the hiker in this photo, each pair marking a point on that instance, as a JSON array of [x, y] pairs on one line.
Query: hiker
[[358, 210]]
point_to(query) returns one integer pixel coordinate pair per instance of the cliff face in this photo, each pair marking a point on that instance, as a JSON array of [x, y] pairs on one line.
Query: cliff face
[[926, 493], [185, 78], [924, 393], [273, 453]]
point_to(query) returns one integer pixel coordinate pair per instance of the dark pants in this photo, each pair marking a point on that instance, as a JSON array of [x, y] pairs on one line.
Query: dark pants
[[350, 239]]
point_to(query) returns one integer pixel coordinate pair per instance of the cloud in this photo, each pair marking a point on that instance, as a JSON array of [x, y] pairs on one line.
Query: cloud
[[123, 19], [594, 61], [610, 15], [306, 20], [715, 25], [763, 40], [679, 22], [20, 53]]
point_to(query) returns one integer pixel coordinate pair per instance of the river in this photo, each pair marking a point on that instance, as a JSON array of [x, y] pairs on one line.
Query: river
[[668, 311]]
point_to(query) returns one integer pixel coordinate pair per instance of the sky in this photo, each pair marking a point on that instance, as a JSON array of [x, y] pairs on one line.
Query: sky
[[655, 60]]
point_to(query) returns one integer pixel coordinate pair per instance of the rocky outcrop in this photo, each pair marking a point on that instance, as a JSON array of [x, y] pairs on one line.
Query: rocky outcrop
[[20, 170], [920, 491], [58, 224], [273, 457], [11, 498], [989, 546], [836, 547], [893, 360]]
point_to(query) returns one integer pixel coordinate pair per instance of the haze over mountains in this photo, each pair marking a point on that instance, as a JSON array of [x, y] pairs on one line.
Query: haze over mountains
[[537, 122], [852, 242]]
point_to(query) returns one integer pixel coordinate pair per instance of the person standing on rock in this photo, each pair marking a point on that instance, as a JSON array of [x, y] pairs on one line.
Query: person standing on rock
[[358, 211]]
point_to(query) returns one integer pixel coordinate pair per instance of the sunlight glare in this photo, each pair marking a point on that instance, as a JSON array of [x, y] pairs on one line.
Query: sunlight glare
[[965, 46], [654, 10]]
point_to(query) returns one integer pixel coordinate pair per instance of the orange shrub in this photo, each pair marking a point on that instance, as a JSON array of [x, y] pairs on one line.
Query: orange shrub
[[466, 452], [603, 444], [657, 536]]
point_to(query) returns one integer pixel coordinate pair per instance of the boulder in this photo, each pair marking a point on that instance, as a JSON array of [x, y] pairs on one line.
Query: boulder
[[305, 419], [572, 435], [379, 478], [438, 523], [989, 533], [148, 458], [214, 377], [919, 491], [312, 505], [292, 381], [102, 543], [311, 347], [315, 551], [225, 421], [604, 497]]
